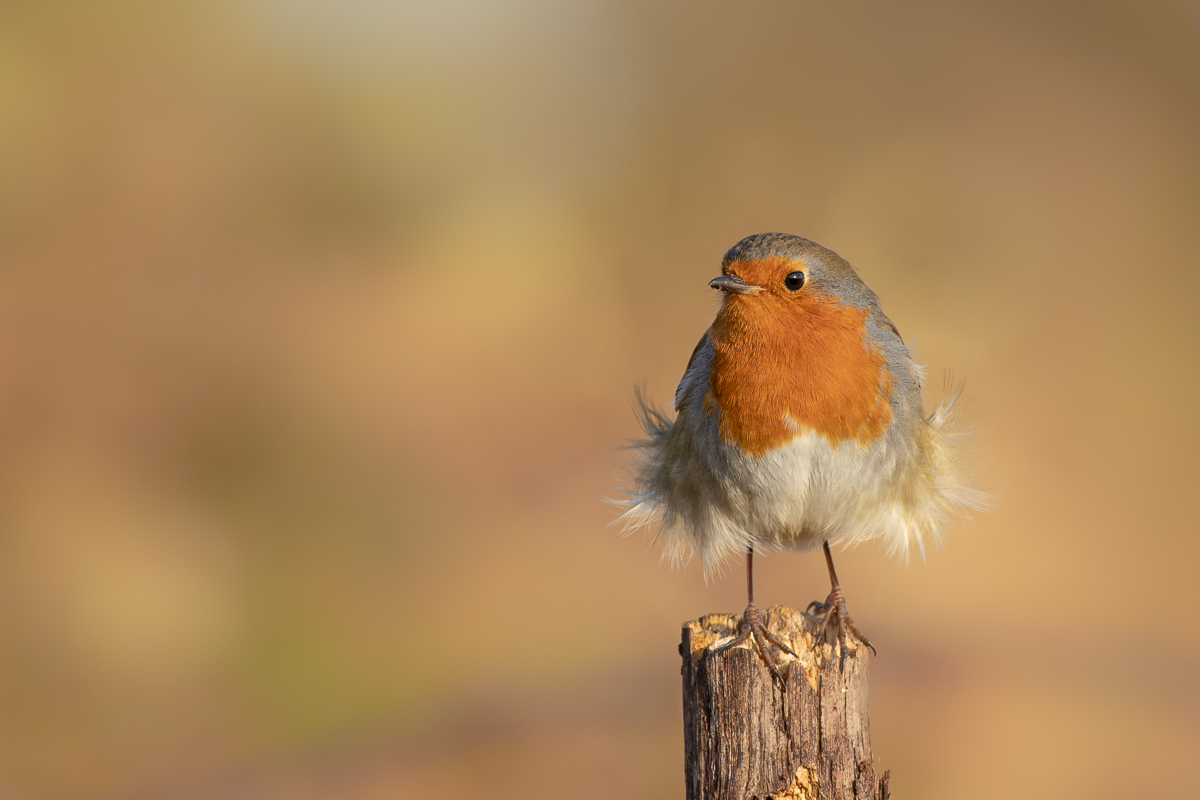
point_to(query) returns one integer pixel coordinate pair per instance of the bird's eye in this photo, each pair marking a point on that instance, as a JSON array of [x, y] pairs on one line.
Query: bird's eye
[[794, 281]]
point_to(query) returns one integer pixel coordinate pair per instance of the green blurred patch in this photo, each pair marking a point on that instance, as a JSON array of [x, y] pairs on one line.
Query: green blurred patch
[[329, 542]]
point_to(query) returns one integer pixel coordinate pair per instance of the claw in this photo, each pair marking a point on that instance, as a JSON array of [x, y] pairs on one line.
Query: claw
[[754, 629], [833, 610]]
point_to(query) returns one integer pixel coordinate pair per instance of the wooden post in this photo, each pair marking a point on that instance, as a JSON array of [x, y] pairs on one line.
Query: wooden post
[[745, 739]]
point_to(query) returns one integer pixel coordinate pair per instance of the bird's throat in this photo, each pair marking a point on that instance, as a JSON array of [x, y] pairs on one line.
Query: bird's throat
[[782, 367]]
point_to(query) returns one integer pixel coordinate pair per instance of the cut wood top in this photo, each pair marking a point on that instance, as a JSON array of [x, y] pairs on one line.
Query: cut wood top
[[795, 628]]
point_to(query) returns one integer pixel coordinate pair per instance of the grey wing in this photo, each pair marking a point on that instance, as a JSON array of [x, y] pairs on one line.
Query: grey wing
[[697, 366]]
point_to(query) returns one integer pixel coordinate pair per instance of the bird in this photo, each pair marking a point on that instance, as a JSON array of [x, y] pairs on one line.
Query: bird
[[799, 424]]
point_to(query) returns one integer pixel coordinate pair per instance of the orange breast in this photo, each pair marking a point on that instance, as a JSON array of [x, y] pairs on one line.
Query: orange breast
[[800, 357]]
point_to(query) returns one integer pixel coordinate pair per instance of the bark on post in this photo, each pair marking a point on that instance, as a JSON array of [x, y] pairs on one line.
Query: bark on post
[[744, 739]]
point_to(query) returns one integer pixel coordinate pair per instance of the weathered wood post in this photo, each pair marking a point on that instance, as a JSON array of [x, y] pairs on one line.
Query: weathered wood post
[[745, 739]]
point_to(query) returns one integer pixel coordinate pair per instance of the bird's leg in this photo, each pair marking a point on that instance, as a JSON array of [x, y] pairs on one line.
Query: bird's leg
[[834, 610], [753, 627]]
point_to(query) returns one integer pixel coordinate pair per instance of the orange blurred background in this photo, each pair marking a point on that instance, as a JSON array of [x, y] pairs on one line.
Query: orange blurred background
[[319, 323]]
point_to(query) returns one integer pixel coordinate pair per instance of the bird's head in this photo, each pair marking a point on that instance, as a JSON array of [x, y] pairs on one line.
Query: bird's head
[[777, 273]]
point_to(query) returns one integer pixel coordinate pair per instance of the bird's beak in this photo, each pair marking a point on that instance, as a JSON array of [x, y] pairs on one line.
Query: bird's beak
[[732, 283]]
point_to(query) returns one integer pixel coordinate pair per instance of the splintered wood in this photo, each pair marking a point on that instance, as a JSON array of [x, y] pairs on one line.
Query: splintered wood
[[747, 738]]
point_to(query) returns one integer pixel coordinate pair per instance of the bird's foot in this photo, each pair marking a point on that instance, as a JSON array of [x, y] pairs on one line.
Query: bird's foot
[[753, 628], [833, 611]]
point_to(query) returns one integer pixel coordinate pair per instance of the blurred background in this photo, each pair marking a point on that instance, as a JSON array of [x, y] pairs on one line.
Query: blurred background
[[319, 323]]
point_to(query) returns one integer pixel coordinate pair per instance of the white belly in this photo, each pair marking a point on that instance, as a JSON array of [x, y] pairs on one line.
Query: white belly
[[717, 501], [810, 490]]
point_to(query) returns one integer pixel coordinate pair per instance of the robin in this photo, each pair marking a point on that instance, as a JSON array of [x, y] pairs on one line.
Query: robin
[[799, 423]]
